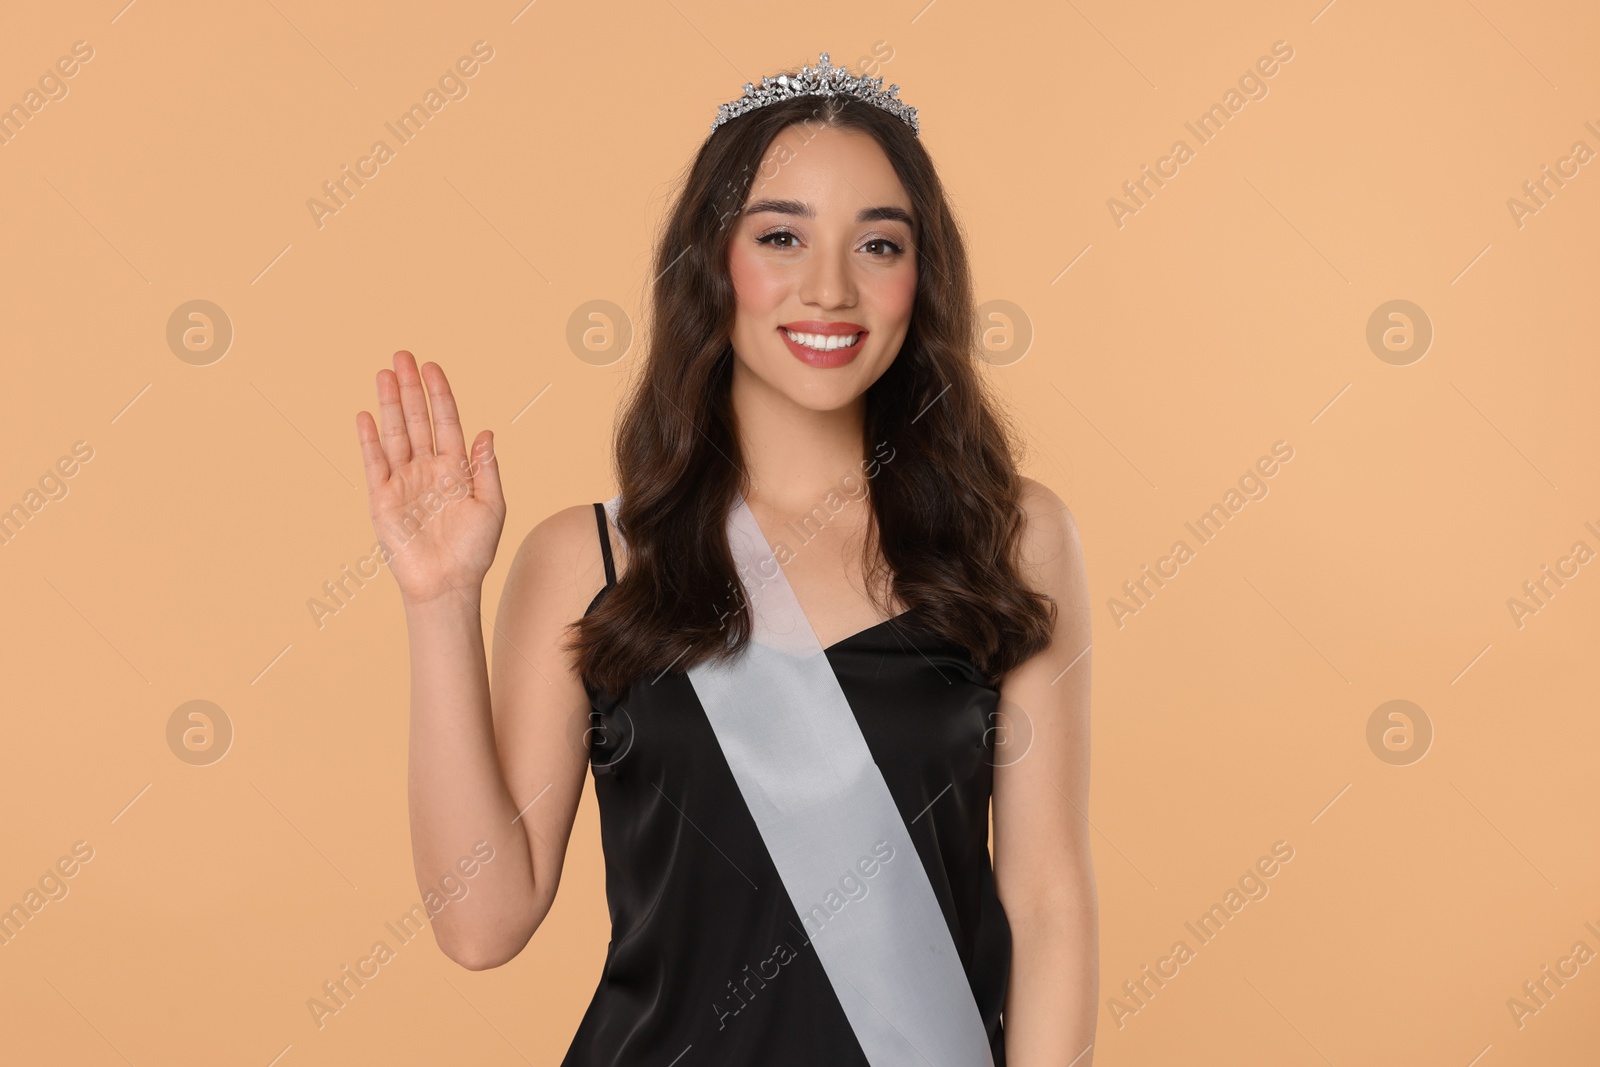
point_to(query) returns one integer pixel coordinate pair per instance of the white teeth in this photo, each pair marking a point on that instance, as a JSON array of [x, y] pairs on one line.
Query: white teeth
[[822, 342]]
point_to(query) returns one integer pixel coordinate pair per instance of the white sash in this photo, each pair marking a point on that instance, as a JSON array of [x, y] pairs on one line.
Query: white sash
[[833, 830]]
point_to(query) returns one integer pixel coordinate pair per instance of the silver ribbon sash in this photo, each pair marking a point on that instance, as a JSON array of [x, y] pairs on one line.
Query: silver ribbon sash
[[833, 830]]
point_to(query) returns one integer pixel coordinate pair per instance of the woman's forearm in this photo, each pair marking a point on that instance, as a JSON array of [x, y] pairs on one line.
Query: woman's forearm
[[457, 791], [1054, 987]]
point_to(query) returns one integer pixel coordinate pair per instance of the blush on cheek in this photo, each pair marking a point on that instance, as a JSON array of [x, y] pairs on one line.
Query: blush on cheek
[[891, 297], [899, 293], [757, 288]]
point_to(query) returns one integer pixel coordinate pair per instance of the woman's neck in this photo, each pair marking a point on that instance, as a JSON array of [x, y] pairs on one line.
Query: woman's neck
[[793, 455]]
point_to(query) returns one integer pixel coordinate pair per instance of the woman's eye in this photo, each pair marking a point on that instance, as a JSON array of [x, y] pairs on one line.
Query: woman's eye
[[784, 239], [772, 238]]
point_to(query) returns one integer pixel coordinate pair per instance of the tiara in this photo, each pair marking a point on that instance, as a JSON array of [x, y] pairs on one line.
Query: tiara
[[821, 80]]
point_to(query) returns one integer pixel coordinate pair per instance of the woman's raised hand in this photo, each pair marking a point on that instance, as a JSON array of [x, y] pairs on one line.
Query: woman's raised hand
[[436, 510]]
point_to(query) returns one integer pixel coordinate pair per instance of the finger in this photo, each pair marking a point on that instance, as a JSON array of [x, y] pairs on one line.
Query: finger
[[446, 420], [392, 420], [486, 471], [415, 404], [373, 461]]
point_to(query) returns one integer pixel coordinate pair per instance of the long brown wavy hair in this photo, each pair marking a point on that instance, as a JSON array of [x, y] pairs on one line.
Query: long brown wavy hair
[[947, 510]]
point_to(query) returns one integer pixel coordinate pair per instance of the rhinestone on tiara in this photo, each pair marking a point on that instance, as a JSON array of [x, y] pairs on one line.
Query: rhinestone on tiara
[[824, 79]]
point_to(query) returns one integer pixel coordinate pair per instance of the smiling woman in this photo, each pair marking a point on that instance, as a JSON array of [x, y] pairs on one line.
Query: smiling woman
[[819, 342], [758, 720], [781, 235]]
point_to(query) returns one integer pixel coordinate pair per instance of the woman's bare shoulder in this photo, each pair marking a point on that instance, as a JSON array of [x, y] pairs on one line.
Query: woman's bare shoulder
[[559, 562], [1050, 532]]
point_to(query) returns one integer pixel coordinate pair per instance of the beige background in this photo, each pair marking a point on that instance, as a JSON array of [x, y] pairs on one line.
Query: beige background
[[1228, 313]]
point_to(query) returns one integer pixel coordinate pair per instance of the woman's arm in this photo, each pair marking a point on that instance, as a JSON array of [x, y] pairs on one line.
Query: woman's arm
[[478, 767], [1043, 867], [501, 762]]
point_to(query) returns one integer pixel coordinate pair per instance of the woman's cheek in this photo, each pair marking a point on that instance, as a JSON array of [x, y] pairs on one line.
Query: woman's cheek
[[896, 293], [758, 289]]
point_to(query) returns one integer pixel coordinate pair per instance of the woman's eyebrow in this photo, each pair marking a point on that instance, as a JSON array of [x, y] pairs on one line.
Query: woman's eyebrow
[[888, 213], [804, 210]]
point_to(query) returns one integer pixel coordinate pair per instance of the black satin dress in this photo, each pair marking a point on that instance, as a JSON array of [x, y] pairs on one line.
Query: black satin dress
[[708, 964]]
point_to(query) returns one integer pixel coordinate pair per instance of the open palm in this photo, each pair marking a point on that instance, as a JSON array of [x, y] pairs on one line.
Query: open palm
[[438, 515]]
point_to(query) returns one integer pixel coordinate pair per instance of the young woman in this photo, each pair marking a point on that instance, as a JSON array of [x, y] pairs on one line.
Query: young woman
[[823, 618]]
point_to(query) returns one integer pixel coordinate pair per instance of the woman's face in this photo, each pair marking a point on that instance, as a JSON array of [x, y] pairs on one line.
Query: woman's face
[[822, 254]]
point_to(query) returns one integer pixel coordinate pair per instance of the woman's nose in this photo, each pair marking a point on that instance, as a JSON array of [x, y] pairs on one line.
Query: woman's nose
[[828, 281]]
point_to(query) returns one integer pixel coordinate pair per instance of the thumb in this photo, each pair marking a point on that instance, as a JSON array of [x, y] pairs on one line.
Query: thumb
[[486, 470]]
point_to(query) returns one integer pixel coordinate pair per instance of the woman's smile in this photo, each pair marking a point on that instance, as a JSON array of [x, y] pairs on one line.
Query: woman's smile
[[823, 344]]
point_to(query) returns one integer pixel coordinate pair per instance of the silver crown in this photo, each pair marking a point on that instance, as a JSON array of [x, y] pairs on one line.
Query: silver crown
[[821, 80]]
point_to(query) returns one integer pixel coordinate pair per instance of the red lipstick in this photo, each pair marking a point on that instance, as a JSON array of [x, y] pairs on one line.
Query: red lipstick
[[815, 357]]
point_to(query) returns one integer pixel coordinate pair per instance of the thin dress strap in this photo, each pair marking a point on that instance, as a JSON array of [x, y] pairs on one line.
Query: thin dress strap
[[605, 544]]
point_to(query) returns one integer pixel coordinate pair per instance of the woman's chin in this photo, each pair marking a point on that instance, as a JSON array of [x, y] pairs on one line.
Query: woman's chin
[[788, 381], [823, 391]]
